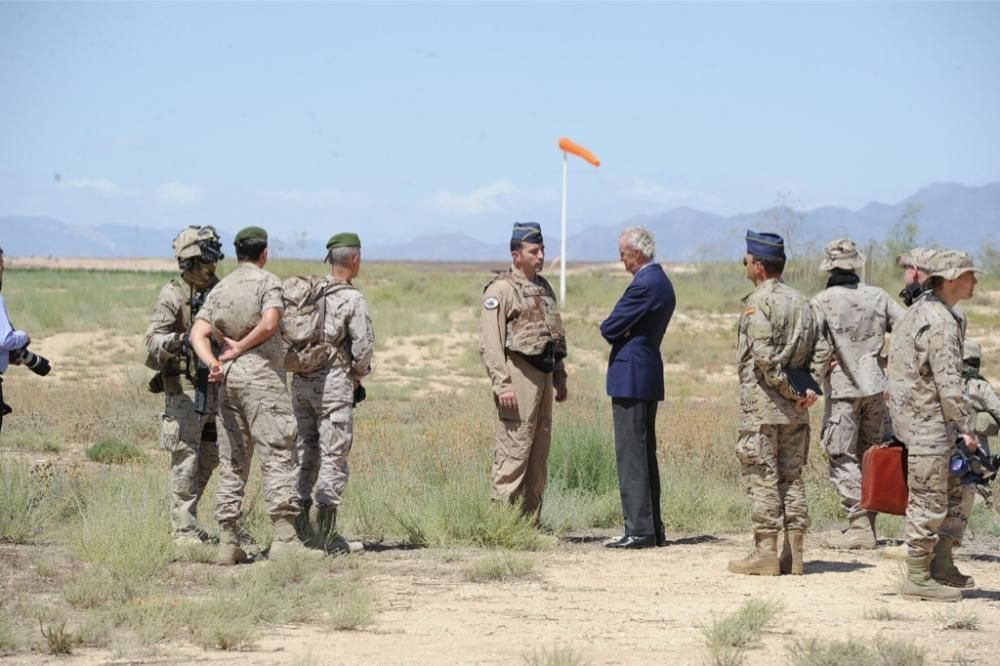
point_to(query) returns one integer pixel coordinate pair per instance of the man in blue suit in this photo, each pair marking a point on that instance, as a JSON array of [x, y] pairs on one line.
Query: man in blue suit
[[635, 329]]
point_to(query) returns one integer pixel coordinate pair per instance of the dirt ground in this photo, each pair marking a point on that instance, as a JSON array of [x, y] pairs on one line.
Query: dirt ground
[[613, 607]]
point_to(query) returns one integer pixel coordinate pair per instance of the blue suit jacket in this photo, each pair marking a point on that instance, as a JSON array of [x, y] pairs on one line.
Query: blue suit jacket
[[635, 329]]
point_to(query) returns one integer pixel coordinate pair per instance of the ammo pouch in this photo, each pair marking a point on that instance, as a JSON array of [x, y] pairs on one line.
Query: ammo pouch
[[546, 361]]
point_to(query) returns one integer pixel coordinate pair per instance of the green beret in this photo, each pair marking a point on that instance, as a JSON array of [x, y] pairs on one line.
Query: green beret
[[346, 239], [250, 233]]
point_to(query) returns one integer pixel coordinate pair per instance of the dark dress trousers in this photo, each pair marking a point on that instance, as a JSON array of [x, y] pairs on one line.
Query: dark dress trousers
[[635, 329]]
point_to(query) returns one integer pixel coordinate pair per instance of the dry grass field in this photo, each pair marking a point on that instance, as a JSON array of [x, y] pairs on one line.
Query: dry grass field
[[88, 574]]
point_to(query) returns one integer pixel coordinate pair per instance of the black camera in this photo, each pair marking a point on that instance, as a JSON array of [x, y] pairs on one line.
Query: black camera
[[37, 364]]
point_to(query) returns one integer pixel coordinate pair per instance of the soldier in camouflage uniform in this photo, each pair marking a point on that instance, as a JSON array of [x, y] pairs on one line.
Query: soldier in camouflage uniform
[[244, 312], [981, 393], [522, 344], [188, 435], [930, 410], [852, 321], [323, 400], [777, 334]]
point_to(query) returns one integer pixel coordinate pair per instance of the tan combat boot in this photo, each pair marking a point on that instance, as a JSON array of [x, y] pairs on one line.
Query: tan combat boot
[[943, 568], [229, 552], [763, 561], [327, 536], [919, 586], [285, 543], [791, 553], [859, 535]]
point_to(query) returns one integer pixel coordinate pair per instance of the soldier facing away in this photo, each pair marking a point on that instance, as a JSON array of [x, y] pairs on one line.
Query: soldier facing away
[[981, 393], [522, 344], [187, 431], [244, 311], [777, 334], [930, 410], [324, 399], [852, 320]]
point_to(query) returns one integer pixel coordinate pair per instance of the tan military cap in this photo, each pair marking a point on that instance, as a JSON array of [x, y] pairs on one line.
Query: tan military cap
[[972, 351], [950, 264], [842, 253], [918, 257]]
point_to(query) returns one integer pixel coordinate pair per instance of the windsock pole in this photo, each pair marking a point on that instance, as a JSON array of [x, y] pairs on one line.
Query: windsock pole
[[562, 238], [567, 147]]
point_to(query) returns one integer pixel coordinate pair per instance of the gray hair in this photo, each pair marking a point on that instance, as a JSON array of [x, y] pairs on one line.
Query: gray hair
[[342, 256], [641, 239]]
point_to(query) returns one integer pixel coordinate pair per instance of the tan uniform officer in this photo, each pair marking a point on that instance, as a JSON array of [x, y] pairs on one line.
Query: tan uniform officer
[[777, 336], [244, 312], [852, 319], [187, 431], [323, 400], [522, 345], [930, 410]]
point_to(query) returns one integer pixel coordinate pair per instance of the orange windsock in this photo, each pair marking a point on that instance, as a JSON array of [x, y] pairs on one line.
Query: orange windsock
[[579, 151]]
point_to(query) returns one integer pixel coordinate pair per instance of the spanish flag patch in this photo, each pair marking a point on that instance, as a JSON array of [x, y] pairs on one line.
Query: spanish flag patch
[[749, 311]]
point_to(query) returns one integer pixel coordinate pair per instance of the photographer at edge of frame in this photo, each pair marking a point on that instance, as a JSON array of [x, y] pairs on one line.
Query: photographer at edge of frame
[[10, 340]]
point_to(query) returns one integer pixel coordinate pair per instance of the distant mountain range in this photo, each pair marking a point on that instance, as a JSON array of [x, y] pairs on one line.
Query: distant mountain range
[[947, 213]]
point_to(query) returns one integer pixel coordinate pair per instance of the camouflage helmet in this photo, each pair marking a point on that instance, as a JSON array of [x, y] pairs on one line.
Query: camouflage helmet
[[972, 351], [918, 257], [842, 253], [196, 242]]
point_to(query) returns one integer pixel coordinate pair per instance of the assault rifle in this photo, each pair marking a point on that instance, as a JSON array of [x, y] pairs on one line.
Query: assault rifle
[[979, 467], [198, 377]]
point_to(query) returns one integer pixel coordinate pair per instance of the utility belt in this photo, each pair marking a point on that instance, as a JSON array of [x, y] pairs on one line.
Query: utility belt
[[543, 362]]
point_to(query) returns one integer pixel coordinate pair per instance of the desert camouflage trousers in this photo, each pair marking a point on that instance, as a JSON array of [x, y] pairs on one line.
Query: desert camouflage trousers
[[850, 427], [523, 437], [256, 413], [194, 453], [326, 433], [771, 461], [939, 504]]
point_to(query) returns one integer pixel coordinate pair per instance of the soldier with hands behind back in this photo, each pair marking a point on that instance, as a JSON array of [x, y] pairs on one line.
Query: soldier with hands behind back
[[244, 311], [325, 391], [777, 336], [522, 344], [930, 411], [187, 430]]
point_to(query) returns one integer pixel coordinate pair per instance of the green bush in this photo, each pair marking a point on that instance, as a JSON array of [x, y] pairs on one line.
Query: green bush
[[115, 452]]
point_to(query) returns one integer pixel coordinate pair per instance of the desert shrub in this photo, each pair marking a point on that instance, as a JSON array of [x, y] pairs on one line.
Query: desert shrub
[[114, 451]]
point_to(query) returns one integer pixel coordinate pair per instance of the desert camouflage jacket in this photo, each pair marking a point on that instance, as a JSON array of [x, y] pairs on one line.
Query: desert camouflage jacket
[[235, 306], [927, 400], [852, 322], [520, 315], [984, 400], [777, 330], [168, 324]]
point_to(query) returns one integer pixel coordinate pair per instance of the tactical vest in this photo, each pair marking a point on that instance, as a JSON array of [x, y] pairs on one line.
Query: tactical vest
[[537, 332], [175, 367]]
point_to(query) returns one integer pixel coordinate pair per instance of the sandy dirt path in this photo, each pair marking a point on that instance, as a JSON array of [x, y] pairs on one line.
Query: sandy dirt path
[[613, 608]]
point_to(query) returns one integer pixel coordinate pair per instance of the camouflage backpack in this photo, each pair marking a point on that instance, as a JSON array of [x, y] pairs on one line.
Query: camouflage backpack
[[306, 348]]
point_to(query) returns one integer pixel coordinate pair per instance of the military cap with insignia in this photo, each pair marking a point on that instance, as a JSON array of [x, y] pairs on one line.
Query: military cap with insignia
[[527, 232], [764, 245]]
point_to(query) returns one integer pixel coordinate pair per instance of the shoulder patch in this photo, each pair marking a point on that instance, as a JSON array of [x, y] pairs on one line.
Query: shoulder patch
[[491, 303], [749, 311]]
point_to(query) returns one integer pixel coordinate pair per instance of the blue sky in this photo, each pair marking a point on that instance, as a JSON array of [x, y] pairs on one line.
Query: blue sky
[[402, 119]]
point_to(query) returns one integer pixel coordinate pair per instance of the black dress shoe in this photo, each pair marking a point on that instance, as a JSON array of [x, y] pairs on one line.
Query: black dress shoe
[[628, 541]]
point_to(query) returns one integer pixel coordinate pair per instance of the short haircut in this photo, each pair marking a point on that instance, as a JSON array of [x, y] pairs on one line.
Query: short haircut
[[936, 282], [342, 256], [250, 250], [771, 265], [641, 239]]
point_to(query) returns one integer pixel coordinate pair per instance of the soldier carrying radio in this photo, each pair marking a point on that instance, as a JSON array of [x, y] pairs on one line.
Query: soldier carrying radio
[[187, 428]]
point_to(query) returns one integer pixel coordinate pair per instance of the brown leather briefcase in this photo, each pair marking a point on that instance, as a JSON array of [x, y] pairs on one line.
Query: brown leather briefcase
[[883, 479]]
